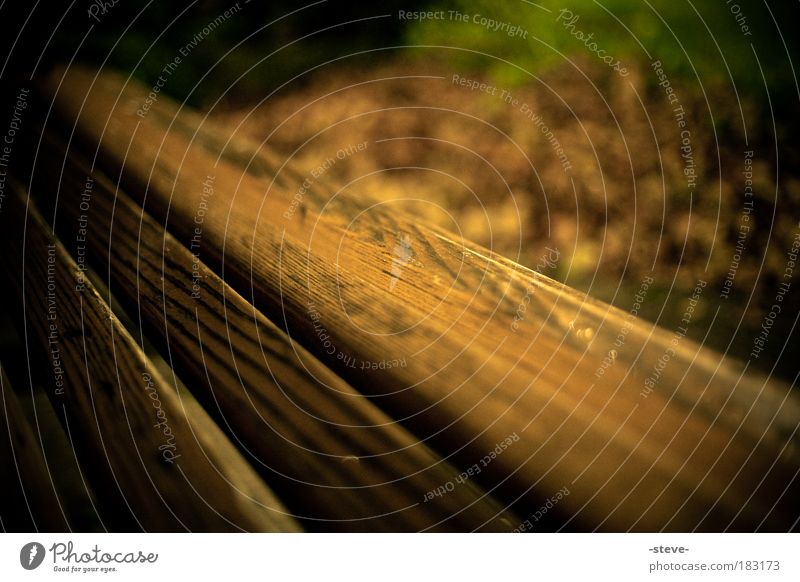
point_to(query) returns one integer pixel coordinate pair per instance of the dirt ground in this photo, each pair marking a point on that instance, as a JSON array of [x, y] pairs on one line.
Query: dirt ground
[[584, 161]]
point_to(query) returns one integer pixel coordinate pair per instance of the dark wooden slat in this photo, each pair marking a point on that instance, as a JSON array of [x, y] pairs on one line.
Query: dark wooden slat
[[30, 501], [708, 448], [345, 464], [152, 467]]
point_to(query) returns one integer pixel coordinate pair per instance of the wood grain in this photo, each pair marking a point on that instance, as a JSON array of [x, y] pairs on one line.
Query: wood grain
[[330, 453], [151, 466], [30, 501], [709, 448]]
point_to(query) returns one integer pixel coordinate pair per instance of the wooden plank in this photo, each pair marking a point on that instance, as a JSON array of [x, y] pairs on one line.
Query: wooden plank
[[30, 501], [152, 467], [331, 453], [707, 448]]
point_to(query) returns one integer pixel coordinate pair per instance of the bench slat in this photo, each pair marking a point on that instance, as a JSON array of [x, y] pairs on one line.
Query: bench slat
[[30, 501], [706, 449], [344, 462], [152, 467]]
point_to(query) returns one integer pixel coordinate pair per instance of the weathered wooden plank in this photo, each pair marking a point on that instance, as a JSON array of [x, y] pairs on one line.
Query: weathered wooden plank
[[151, 466], [342, 462], [30, 501], [705, 448]]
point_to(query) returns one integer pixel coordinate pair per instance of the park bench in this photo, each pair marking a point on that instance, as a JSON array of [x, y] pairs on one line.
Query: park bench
[[222, 353]]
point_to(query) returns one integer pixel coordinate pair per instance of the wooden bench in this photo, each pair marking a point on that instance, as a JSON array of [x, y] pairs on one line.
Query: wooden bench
[[275, 362]]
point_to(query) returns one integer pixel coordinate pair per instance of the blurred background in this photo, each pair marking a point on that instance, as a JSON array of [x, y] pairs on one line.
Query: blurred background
[[573, 143]]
